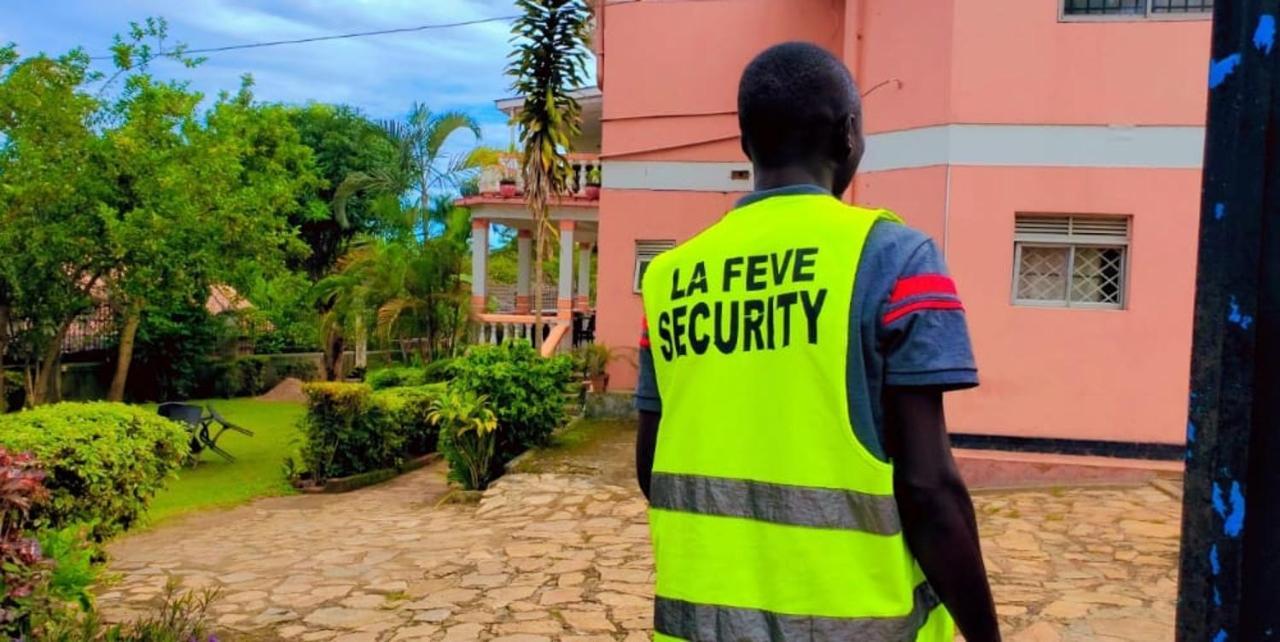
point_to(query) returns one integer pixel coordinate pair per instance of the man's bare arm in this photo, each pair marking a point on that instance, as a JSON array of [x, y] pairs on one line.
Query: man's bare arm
[[646, 442], [937, 512]]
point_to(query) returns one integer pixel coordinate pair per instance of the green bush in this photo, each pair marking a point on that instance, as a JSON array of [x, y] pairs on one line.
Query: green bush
[[74, 571], [526, 391], [350, 429], [468, 437], [104, 461], [439, 370], [396, 377], [409, 409]]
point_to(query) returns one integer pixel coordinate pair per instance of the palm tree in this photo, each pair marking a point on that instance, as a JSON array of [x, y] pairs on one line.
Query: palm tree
[[345, 296], [409, 289], [549, 61], [422, 167]]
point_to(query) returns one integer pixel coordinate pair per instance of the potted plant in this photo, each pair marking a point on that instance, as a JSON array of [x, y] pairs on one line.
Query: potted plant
[[593, 183], [592, 361], [507, 185]]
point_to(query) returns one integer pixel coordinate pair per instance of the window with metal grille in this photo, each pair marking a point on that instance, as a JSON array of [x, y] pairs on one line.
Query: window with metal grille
[[1139, 8], [1070, 261], [646, 251]]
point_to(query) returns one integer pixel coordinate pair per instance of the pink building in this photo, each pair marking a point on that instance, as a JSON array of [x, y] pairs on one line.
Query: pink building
[[1051, 147]]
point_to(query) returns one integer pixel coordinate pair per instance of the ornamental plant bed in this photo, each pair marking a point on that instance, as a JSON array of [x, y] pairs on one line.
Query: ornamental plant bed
[[360, 480]]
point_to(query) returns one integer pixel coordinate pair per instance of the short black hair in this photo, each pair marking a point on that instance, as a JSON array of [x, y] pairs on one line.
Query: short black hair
[[790, 98]]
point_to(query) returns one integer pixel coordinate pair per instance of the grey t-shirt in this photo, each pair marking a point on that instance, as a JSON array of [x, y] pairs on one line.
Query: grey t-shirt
[[907, 327]]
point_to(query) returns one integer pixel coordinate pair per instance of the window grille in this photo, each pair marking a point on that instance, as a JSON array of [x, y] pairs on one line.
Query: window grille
[[1070, 261]]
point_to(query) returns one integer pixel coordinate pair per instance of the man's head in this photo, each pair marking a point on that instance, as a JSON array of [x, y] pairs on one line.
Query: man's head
[[799, 109]]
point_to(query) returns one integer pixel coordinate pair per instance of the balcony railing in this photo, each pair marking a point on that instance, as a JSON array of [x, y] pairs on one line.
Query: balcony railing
[[584, 166]]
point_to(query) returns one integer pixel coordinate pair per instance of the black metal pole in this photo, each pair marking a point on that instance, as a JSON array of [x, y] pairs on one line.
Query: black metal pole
[[1230, 574]]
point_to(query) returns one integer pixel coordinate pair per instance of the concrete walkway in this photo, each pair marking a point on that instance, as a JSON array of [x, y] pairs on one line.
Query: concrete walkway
[[566, 557]]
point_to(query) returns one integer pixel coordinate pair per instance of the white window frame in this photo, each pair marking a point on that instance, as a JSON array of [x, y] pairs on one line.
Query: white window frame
[[646, 250], [1071, 242], [1063, 16]]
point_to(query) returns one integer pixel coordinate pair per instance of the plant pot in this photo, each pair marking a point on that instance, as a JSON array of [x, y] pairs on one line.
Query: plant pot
[[592, 192], [600, 382], [507, 189]]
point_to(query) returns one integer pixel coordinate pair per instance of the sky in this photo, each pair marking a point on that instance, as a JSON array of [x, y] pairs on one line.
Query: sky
[[459, 68]]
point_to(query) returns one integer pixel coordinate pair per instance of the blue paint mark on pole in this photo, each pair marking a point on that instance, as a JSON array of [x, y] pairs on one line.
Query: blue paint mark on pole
[[1217, 597], [1191, 432], [1264, 37], [1219, 504], [1219, 211], [1235, 521], [1237, 317], [1214, 564], [1220, 69], [1221, 636]]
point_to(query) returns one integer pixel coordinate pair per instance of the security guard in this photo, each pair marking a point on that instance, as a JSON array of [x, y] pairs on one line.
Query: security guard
[[792, 442]]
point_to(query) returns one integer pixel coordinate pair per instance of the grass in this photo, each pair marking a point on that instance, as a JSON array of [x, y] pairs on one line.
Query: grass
[[257, 472]]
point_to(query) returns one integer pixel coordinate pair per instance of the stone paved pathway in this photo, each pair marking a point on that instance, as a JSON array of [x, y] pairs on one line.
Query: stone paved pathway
[[563, 557]]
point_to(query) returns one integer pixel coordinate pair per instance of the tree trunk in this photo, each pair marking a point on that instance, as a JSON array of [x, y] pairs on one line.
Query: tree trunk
[[4, 347], [47, 370], [362, 344], [333, 349], [124, 356], [540, 250]]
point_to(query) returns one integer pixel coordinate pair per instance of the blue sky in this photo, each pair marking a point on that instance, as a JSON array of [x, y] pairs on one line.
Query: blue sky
[[459, 68]]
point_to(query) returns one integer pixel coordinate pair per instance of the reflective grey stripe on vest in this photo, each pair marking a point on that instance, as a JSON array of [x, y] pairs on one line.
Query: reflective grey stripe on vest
[[776, 503], [699, 622]]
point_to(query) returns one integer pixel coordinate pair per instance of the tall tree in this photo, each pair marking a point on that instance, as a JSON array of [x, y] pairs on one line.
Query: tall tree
[[345, 143], [549, 62], [49, 204], [422, 166], [133, 198], [202, 198]]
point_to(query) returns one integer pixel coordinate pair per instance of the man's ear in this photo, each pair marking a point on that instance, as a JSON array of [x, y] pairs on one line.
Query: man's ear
[[844, 144], [746, 145], [857, 143]]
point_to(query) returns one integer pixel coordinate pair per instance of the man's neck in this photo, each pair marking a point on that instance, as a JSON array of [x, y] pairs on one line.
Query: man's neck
[[774, 178]]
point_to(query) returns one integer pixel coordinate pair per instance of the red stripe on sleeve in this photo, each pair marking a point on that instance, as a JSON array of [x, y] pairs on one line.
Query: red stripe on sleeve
[[644, 333], [927, 304], [922, 284]]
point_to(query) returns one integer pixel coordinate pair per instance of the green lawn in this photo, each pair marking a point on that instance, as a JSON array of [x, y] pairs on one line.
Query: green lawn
[[257, 472]]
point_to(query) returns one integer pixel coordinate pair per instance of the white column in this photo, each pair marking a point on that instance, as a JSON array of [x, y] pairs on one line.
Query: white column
[[524, 247], [583, 301], [564, 301], [479, 263]]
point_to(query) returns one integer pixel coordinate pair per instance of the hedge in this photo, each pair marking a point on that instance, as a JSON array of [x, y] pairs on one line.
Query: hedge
[[396, 377], [104, 461], [350, 429]]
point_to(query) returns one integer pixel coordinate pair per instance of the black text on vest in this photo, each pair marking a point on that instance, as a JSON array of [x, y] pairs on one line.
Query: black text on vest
[[743, 304]]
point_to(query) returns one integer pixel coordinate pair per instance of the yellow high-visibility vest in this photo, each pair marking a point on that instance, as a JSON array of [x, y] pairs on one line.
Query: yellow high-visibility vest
[[770, 519]]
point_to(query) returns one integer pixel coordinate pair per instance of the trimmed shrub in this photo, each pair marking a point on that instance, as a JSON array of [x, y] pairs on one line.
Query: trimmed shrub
[[350, 429], [409, 409], [103, 461], [525, 390], [396, 378]]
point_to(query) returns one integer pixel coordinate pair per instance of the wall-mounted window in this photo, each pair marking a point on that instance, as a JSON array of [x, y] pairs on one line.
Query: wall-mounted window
[[1071, 261], [1130, 9], [646, 251]]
